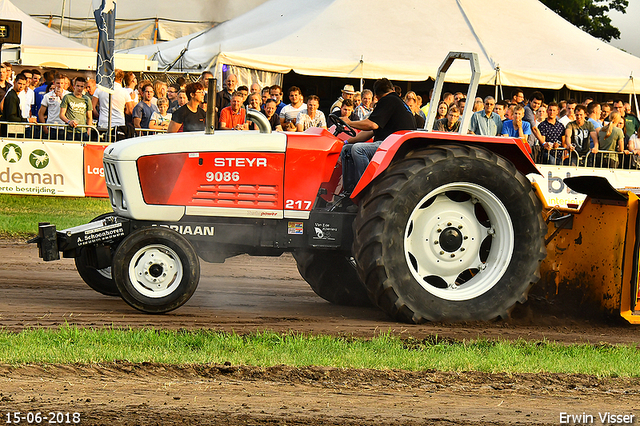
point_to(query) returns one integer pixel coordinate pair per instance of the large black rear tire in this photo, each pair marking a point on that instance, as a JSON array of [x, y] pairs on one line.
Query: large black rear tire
[[98, 279], [332, 276], [449, 233], [156, 270]]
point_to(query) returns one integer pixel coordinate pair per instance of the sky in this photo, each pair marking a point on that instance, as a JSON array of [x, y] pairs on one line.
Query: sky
[[629, 26]]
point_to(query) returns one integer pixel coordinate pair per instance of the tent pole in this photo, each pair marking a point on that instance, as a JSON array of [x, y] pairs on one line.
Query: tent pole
[[62, 15]]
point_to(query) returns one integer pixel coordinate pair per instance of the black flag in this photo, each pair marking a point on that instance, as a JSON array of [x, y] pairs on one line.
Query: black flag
[[105, 13]]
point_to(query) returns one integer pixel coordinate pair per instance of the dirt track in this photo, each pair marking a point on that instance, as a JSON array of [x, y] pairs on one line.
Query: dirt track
[[247, 294]]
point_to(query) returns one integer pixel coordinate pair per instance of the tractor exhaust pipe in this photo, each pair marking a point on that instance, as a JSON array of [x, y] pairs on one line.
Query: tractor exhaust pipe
[[259, 119], [210, 120]]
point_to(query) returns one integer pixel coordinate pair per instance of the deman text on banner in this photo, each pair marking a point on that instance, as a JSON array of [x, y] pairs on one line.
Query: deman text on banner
[[41, 168]]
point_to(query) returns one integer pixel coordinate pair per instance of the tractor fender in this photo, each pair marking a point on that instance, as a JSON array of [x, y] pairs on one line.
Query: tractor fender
[[398, 144]]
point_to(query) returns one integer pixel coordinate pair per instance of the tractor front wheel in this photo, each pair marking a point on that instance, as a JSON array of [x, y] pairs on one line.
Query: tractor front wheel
[[156, 270]]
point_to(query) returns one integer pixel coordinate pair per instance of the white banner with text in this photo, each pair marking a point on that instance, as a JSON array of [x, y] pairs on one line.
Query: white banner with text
[[41, 168]]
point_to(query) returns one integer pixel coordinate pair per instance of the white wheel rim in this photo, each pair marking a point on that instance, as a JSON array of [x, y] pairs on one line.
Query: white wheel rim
[[443, 242], [155, 271]]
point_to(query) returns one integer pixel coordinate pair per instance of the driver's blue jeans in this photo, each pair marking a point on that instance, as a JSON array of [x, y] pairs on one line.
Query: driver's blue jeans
[[362, 153]]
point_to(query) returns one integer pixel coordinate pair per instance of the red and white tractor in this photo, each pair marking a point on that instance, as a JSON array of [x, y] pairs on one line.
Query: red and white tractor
[[447, 226]]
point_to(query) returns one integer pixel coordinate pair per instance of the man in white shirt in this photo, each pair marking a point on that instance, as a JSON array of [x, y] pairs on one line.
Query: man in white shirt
[[50, 108], [289, 113], [27, 97], [121, 105]]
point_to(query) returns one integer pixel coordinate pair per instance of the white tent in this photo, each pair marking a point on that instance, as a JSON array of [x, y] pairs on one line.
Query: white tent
[[520, 42], [43, 47]]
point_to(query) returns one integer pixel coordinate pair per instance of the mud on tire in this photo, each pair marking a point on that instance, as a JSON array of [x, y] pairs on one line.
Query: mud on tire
[[156, 270], [332, 276], [449, 233]]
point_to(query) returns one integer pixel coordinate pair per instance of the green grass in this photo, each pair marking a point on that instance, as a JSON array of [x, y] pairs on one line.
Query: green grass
[[76, 345], [20, 214]]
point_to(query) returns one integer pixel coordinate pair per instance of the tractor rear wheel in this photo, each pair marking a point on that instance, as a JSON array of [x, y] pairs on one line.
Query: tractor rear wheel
[[449, 233], [156, 270], [98, 279], [332, 276]]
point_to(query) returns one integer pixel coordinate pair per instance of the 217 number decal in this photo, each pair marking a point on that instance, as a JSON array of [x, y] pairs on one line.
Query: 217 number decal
[[297, 204], [223, 176]]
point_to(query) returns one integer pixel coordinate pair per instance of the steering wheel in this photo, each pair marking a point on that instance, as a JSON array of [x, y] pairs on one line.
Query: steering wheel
[[341, 126]]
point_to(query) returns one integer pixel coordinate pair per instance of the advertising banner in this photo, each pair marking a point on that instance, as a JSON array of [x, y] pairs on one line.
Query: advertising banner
[[41, 168], [558, 194], [94, 184]]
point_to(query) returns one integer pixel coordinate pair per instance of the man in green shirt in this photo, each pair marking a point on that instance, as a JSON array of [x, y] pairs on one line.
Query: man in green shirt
[[76, 110]]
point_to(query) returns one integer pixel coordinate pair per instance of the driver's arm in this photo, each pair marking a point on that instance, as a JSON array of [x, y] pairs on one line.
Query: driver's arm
[[361, 137], [365, 124]]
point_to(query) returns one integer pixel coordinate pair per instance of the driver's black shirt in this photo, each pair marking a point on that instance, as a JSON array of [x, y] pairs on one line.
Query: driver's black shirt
[[391, 115]]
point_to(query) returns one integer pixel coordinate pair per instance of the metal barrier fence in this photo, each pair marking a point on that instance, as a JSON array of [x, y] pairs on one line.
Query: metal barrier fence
[[603, 159], [50, 132], [147, 132]]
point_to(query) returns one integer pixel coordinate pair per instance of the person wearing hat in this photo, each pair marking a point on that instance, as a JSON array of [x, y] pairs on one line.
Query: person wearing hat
[[347, 93]]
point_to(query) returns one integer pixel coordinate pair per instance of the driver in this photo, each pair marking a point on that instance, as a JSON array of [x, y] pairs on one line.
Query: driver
[[390, 115]]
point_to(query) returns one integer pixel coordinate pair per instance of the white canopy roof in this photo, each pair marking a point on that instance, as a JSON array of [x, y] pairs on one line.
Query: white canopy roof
[[43, 47], [528, 43]]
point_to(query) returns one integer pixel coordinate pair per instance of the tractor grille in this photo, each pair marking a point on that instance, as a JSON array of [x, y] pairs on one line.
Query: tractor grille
[[111, 174], [226, 195]]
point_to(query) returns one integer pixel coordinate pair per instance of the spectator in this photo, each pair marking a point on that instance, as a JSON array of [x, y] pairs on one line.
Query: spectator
[[552, 135], [449, 124], [35, 79], [223, 97], [611, 138], [347, 93], [366, 105], [501, 109], [631, 123], [486, 122], [594, 111], [605, 110], [130, 83], [478, 105], [255, 88], [160, 90], [265, 96], [4, 83], [182, 98], [276, 94], [172, 96], [144, 110], [517, 127], [49, 111], [254, 101], [27, 98], [182, 82], [290, 112], [234, 117], [345, 111], [537, 99], [448, 98], [442, 110], [90, 87], [40, 91], [12, 111], [208, 75], [270, 113], [76, 110], [190, 117], [461, 104], [577, 136], [357, 99], [160, 120], [312, 117], [412, 102], [517, 97], [398, 90], [570, 115], [244, 91], [457, 97], [121, 106]]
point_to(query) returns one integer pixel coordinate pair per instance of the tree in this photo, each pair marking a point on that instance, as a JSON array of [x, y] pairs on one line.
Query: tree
[[590, 15]]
